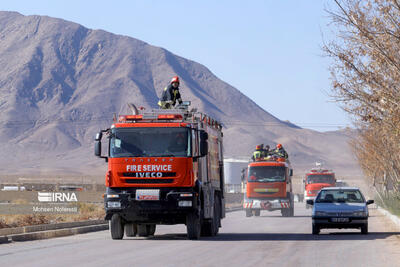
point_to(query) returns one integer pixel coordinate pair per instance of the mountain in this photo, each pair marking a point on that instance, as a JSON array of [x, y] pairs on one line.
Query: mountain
[[60, 83]]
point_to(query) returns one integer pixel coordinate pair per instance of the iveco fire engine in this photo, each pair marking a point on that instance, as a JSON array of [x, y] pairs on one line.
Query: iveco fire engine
[[164, 167]]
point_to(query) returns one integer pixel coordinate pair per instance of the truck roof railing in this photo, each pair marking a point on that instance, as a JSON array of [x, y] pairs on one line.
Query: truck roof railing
[[273, 158], [179, 114], [320, 170]]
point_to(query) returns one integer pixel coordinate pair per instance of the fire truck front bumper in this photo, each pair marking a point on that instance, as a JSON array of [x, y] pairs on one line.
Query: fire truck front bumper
[[161, 205], [273, 204]]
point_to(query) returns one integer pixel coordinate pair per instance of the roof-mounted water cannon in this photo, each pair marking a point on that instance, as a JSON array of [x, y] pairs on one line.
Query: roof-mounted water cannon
[[184, 105]]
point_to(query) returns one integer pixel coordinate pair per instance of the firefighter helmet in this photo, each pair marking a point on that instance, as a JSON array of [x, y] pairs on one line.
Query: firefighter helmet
[[175, 79], [278, 146]]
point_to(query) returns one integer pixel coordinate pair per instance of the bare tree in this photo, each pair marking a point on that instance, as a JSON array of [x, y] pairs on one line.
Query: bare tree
[[366, 79]]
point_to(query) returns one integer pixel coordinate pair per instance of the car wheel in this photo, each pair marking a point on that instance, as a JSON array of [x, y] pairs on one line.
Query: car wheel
[[364, 229], [315, 229]]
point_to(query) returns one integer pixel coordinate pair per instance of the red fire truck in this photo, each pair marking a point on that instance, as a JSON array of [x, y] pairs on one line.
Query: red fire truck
[[164, 167], [269, 187], [317, 179]]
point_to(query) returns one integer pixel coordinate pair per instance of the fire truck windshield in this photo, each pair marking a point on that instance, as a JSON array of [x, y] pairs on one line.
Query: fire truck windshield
[[320, 178], [265, 174], [150, 142]]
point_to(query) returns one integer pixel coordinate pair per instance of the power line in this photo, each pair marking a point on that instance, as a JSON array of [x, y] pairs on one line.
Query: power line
[[226, 123]]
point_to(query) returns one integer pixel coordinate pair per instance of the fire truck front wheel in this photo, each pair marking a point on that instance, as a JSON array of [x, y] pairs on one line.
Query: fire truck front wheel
[[193, 225], [116, 227], [211, 228], [249, 213]]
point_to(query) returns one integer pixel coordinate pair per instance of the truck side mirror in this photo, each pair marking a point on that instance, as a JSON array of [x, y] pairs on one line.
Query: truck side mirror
[[98, 137], [203, 143], [370, 201], [97, 148]]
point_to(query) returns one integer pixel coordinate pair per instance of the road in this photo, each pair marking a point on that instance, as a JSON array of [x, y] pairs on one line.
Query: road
[[268, 240]]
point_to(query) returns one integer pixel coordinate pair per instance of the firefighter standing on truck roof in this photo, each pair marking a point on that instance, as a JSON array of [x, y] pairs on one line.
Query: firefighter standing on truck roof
[[280, 151], [258, 153], [170, 95]]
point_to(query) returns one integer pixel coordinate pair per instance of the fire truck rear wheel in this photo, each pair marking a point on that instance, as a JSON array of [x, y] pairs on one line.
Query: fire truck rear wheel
[[151, 229], [249, 213], [146, 229], [116, 227], [193, 226], [291, 210], [130, 229], [217, 215]]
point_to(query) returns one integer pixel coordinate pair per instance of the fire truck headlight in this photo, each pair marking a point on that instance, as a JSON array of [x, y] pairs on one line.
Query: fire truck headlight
[[113, 205], [185, 203]]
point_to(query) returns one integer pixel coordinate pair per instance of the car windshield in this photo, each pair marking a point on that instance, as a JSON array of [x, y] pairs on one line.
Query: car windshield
[[340, 196], [320, 178], [266, 174], [150, 142]]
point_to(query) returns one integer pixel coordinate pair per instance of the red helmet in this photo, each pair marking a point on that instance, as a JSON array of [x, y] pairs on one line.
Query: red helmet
[[258, 147], [175, 79], [278, 146]]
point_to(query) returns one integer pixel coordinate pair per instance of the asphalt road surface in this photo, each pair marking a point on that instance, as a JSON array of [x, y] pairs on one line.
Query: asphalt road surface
[[268, 240]]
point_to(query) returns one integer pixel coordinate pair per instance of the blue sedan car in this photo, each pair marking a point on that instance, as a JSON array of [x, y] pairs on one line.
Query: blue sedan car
[[339, 207]]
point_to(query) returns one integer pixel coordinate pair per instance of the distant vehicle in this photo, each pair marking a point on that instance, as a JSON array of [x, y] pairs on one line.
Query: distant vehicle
[[317, 179], [268, 187], [339, 207], [11, 188], [341, 183], [70, 188]]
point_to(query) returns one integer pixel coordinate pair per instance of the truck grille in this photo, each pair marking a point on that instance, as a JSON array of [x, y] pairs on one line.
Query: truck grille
[[149, 181]]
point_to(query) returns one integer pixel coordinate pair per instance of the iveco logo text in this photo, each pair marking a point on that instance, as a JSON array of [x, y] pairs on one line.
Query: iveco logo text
[[56, 197]]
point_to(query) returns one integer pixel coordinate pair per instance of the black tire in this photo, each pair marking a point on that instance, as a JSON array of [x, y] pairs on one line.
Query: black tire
[[217, 214], [291, 208], [257, 212], [364, 229], [130, 229], [116, 227], [193, 226], [315, 229], [249, 213], [142, 230], [285, 212], [151, 229]]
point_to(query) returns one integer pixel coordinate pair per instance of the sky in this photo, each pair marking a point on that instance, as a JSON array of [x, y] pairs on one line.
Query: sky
[[269, 50]]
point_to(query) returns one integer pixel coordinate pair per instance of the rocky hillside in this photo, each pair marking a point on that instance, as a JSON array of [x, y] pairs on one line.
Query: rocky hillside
[[61, 82]]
